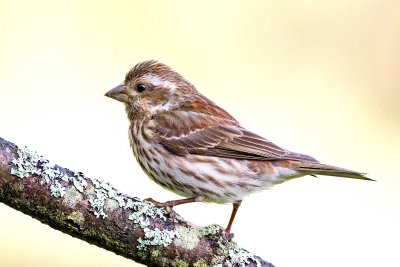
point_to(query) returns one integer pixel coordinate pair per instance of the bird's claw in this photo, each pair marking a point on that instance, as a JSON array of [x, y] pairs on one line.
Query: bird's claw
[[228, 235], [154, 202], [166, 205]]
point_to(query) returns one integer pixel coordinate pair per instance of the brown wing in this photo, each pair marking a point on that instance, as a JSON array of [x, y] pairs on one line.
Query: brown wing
[[208, 130]]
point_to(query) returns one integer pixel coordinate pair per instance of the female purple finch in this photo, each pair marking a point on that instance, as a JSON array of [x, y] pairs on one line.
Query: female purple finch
[[190, 146]]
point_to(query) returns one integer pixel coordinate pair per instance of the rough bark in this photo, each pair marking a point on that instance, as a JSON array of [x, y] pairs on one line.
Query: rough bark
[[96, 212]]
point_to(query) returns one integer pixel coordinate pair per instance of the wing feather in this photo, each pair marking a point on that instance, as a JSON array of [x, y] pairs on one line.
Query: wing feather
[[214, 133]]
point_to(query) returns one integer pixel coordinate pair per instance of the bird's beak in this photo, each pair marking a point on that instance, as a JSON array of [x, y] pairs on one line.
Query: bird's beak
[[119, 93]]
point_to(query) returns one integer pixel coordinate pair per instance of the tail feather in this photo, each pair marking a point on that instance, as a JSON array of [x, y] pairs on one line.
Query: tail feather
[[314, 168]]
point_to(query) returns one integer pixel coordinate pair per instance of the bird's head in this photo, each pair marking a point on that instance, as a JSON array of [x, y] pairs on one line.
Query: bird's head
[[151, 87]]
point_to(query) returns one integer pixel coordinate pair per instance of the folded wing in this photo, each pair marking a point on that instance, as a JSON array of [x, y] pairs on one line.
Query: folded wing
[[210, 131]]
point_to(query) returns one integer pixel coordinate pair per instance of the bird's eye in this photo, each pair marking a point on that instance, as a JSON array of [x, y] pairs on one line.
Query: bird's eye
[[140, 87]]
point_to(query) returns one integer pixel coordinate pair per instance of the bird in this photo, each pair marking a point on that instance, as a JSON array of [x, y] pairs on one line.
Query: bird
[[189, 145]]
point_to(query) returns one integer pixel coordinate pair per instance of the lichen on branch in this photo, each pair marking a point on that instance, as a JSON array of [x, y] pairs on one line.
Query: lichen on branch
[[98, 213]]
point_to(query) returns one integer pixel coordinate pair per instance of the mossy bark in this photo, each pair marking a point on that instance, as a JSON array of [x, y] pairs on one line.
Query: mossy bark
[[135, 231]]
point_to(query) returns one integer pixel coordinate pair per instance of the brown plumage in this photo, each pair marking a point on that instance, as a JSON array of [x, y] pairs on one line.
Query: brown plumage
[[191, 146]]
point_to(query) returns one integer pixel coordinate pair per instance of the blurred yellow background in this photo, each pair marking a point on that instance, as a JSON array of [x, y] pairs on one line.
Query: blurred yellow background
[[318, 77]]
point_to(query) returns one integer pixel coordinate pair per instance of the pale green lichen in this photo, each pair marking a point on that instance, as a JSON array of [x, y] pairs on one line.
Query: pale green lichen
[[155, 253], [216, 230], [152, 237], [49, 173], [156, 237], [26, 163], [232, 255], [79, 181], [145, 210], [31, 163], [111, 204], [211, 229], [97, 204], [72, 197], [189, 237], [111, 191], [76, 217], [236, 256], [179, 263], [102, 196], [105, 197], [57, 190], [241, 257], [200, 263]]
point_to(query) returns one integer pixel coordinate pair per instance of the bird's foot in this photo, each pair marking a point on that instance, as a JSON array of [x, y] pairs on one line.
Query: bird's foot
[[155, 202], [168, 206], [228, 235]]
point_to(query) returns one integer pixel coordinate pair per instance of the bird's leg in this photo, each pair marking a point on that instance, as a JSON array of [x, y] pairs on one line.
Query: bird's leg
[[228, 233], [168, 205]]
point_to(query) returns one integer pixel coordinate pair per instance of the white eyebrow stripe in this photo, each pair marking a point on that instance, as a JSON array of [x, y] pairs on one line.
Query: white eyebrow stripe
[[157, 81]]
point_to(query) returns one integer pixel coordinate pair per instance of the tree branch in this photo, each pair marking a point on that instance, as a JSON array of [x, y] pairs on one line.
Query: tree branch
[[98, 213]]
